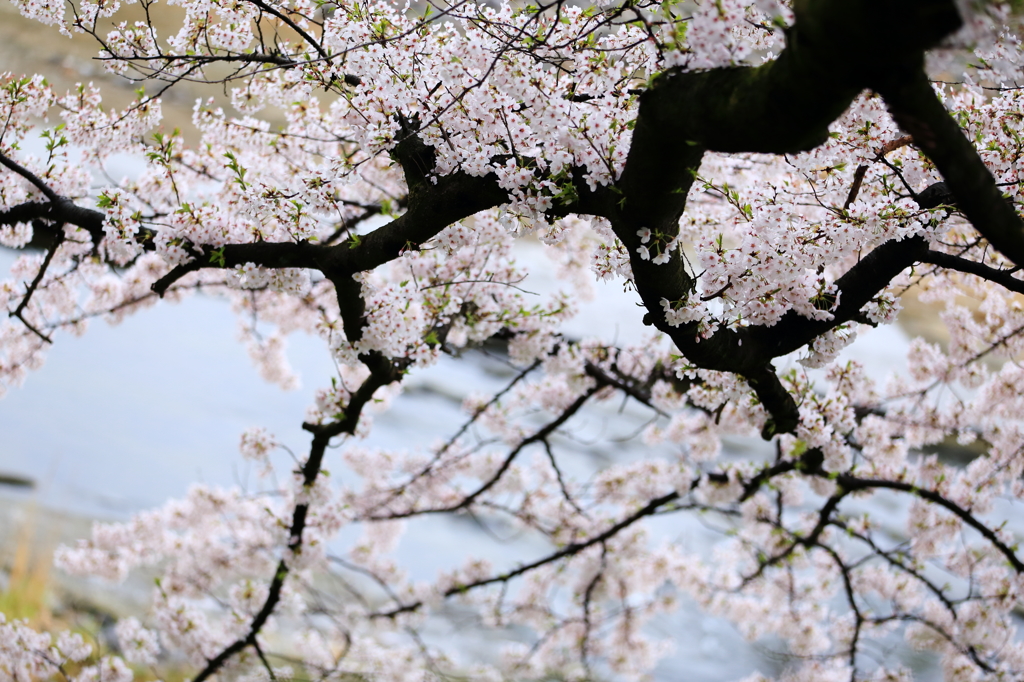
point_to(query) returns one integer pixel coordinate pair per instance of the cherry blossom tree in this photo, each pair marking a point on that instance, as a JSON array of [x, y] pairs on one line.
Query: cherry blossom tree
[[766, 177]]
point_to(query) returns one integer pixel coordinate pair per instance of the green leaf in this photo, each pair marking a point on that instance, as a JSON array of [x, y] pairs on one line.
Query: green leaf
[[217, 257]]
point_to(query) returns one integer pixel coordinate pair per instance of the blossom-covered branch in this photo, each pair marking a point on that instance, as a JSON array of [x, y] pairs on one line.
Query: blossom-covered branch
[[764, 178]]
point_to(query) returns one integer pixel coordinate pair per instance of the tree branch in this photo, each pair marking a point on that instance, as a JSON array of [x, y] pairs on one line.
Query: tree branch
[[915, 106], [1002, 277], [382, 372]]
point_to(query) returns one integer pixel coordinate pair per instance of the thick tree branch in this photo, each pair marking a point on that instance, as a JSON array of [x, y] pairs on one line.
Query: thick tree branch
[[857, 287], [432, 207], [58, 210], [61, 211], [780, 107], [916, 107], [17, 168], [950, 262], [266, 254]]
